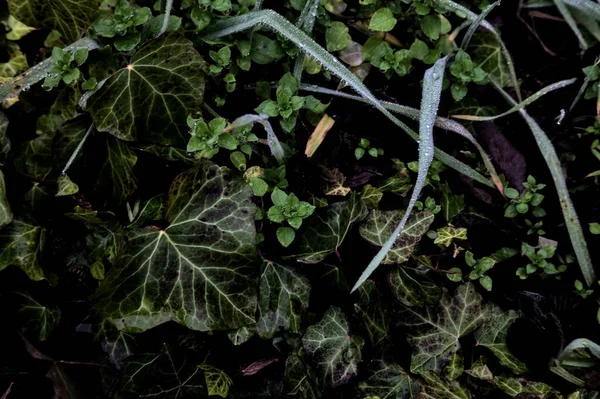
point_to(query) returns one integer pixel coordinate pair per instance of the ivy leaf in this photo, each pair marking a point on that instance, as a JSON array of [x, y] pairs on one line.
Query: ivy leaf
[[62, 110], [492, 335], [17, 29], [217, 382], [382, 20], [4, 140], [116, 175], [66, 140], [517, 386], [298, 377], [433, 387], [325, 231], [198, 271], [117, 345], [389, 381], [149, 100], [379, 225], [337, 37], [180, 376], [283, 297], [35, 157], [36, 317], [6, 215], [21, 245], [447, 234], [435, 333], [486, 52], [373, 310], [451, 204], [413, 288], [70, 18], [331, 347], [480, 370]]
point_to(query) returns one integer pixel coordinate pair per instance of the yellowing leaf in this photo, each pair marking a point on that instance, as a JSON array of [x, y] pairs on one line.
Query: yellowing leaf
[[17, 29], [447, 234], [318, 135]]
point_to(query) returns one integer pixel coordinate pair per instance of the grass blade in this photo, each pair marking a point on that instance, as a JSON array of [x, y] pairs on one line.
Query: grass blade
[[471, 16], [39, 71], [440, 122], [568, 210], [521, 105], [588, 22], [475, 24], [564, 10], [432, 90], [167, 12], [308, 45], [586, 6]]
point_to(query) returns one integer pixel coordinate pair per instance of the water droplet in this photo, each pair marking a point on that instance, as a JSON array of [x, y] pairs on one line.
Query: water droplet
[[436, 76]]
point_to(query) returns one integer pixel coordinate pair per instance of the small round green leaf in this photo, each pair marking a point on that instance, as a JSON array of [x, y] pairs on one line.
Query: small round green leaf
[[382, 20], [285, 236]]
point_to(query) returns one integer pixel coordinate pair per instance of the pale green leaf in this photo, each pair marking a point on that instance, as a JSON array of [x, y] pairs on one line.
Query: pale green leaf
[[21, 245], [446, 235], [66, 186], [380, 224], [435, 332], [282, 298], [17, 29], [332, 348], [337, 37], [382, 20], [492, 335], [149, 100], [200, 270], [487, 53], [70, 18]]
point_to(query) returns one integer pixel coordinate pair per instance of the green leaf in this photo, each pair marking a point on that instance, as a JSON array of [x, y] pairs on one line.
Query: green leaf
[[517, 386], [374, 311], [6, 215], [371, 196], [382, 20], [487, 54], [34, 316], [390, 381], [412, 287], [594, 228], [480, 370], [435, 333], [217, 382], [447, 234], [70, 18], [63, 110], [149, 100], [325, 231], [150, 210], [34, 157], [433, 387], [285, 236], [332, 348], [379, 225], [431, 25], [265, 50], [116, 175], [17, 29], [66, 186], [209, 246], [297, 379], [282, 299], [21, 245], [455, 367], [200, 18], [177, 366], [430, 101], [128, 42], [492, 335], [337, 37]]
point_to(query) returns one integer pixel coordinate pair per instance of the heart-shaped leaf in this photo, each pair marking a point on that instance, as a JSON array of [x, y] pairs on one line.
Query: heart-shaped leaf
[[149, 100], [199, 270]]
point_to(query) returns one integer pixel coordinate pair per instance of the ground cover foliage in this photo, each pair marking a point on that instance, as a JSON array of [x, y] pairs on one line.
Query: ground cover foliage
[[299, 198]]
